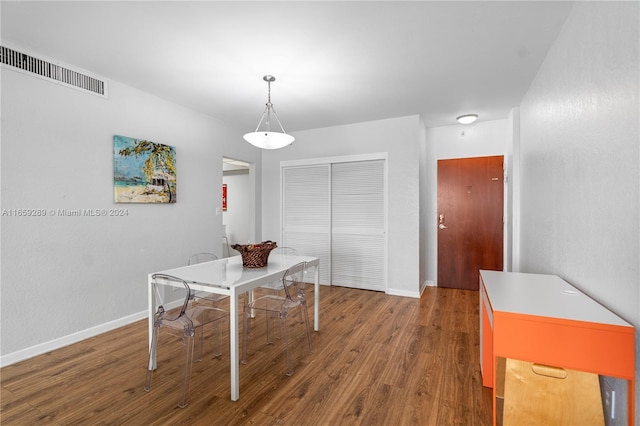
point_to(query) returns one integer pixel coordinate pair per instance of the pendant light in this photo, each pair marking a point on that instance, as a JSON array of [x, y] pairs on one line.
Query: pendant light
[[467, 118], [267, 139]]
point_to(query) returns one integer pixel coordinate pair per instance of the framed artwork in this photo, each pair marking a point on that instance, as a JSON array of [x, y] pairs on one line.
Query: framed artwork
[[224, 197], [143, 171]]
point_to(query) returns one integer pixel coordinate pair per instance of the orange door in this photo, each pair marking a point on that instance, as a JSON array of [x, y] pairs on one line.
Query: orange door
[[470, 219]]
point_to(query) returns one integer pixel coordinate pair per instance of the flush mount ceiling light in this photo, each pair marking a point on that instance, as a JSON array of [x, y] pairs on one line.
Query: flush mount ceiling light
[[467, 118], [266, 139]]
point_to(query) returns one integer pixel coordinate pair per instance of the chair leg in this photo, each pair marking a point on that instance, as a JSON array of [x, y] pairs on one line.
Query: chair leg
[[267, 314], [152, 359], [245, 333], [188, 358], [285, 338], [217, 341], [285, 341], [248, 298], [305, 314], [200, 345], [273, 316]]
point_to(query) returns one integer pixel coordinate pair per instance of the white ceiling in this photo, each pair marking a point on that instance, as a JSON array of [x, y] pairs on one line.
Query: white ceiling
[[335, 62]]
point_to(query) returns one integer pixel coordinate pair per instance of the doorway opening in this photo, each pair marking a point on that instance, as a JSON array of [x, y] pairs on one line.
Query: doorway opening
[[238, 209]]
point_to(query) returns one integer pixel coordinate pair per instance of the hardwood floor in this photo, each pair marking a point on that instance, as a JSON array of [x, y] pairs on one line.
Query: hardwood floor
[[378, 360]]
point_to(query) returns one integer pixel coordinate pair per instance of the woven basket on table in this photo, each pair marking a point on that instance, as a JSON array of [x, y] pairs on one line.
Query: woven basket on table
[[255, 255]]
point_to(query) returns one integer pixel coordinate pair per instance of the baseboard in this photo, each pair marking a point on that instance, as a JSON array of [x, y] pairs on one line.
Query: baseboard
[[426, 284], [414, 294], [61, 342]]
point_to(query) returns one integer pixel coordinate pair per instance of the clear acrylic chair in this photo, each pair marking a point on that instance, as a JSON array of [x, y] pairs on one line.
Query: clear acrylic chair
[[280, 307], [201, 257], [284, 250], [182, 321], [276, 286], [201, 295]]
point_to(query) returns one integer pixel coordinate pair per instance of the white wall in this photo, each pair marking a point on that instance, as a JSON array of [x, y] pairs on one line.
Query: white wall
[[480, 139], [399, 138], [512, 197], [580, 161], [66, 278]]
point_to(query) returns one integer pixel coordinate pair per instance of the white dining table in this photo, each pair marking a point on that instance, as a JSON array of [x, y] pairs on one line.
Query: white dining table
[[227, 276]]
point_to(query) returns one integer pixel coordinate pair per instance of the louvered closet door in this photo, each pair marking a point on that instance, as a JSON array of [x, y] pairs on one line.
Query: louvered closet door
[[306, 214], [358, 225]]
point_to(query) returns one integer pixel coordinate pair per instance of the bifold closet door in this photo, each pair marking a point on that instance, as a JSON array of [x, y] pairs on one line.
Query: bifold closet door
[[306, 213], [336, 212], [358, 256]]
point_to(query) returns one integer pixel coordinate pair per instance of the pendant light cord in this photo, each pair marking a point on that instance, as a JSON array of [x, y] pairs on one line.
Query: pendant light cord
[[268, 109]]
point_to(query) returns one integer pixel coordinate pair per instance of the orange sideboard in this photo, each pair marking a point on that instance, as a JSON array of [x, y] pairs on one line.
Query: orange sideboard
[[543, 319]]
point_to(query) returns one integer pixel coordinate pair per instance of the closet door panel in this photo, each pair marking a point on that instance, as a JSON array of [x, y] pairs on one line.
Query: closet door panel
[[306, 214], [358, 225], [357, 261], [358, 195], [312, 244], [306, 197]]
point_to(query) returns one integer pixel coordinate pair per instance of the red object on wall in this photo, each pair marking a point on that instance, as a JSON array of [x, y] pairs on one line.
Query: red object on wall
[[224, 197]]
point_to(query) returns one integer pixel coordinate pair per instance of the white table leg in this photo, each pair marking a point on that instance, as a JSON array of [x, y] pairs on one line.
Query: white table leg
[[234, 350]]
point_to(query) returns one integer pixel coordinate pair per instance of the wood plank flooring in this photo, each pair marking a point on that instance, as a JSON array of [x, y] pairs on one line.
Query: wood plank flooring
[[378, 360]]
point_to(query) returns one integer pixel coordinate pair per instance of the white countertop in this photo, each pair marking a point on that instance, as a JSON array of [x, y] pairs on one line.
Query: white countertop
[[545, 296]]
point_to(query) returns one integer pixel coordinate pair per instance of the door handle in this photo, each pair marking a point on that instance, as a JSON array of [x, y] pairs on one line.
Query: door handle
[[442, 225]]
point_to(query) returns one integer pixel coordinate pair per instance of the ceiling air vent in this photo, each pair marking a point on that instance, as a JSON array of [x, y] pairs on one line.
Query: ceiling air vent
[[53, 72]]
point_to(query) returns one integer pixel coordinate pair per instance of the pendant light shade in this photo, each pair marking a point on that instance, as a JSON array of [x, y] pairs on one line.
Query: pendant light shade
[[467, 118], [267, 139]]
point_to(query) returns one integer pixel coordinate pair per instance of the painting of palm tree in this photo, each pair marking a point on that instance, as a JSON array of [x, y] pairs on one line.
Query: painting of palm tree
[[143, 171]]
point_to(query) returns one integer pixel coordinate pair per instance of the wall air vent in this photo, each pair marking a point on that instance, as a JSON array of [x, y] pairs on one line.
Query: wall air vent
[[47, 70]]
